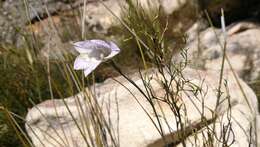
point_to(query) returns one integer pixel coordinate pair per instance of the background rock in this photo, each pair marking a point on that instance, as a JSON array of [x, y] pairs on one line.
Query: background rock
[[135, 128], [243, 47], [169, 6], [14, 18]]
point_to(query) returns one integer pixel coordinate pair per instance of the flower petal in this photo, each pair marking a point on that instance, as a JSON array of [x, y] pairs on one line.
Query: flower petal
[[92, 53], [113, 46], [90, 45], [114, 50], [112, 54], [84, 63], [93, 66]]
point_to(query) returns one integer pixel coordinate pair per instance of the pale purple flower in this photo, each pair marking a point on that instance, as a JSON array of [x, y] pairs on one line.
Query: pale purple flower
[[92, 53]]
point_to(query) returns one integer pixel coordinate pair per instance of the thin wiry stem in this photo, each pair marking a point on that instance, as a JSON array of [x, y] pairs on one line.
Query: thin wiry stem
[[52, 98], [46, 119], [15, 128]]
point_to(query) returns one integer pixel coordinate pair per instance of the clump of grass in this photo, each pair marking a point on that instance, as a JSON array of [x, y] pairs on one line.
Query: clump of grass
[[150, 25], [23, 77], [17, 84], [158, 55]]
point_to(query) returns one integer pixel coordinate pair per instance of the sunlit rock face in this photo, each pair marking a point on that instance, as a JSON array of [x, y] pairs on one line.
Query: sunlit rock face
[[243, 43], [52, 122]]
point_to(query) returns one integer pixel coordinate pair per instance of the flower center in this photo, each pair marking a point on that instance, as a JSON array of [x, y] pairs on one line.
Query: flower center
[[99, 53], [96, 54]]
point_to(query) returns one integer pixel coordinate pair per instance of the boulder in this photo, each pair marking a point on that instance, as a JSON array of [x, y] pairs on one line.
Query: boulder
[[50, 122], [243, 47], [14, 18]]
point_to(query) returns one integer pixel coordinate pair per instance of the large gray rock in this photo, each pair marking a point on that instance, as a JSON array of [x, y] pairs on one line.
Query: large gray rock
[[50, 122], [243, 47], [14, 18]]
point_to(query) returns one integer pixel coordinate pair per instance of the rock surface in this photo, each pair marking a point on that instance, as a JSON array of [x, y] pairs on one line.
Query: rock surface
[[135, 128], [15, 16], [243, 47]]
